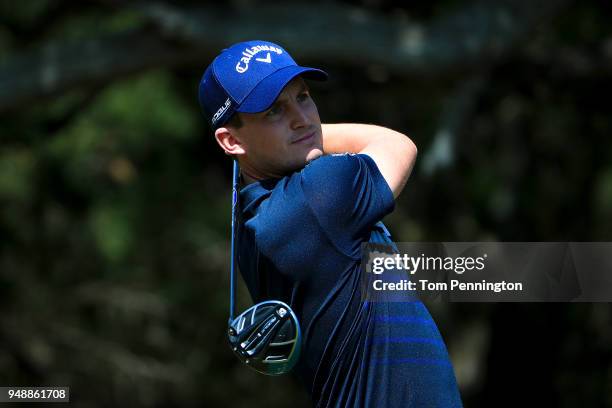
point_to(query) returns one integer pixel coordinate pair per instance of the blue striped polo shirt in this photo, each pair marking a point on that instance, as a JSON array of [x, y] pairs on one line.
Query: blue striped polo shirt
[[300, 240]]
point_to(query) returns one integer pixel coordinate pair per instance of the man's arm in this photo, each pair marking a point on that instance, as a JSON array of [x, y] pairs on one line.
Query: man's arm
[[393, 152]]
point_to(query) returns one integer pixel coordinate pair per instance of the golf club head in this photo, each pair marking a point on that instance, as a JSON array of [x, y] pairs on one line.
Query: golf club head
[[267, 337]]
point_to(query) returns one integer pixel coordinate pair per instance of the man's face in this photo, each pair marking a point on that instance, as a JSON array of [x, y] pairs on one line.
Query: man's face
[[283, 138]]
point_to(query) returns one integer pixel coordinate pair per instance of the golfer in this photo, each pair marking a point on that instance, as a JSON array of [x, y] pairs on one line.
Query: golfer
[[311, 194]]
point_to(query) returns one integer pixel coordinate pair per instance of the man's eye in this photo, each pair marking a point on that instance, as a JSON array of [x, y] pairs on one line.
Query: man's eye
[[275, 110], [303, 96]]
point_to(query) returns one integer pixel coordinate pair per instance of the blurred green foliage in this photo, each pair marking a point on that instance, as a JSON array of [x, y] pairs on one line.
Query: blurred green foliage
[[115, 204]]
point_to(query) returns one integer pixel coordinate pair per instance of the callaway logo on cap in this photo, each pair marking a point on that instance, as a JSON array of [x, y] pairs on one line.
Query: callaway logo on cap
[[248, 77]]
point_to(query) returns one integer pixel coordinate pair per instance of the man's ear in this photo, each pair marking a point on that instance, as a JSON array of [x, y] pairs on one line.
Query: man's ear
[[228, 142]]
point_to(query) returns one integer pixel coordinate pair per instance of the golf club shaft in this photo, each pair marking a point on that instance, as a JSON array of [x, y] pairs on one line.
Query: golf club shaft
[[233, 243]]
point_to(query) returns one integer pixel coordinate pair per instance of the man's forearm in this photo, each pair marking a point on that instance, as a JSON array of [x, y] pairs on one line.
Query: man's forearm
[[355, 137], [393, 152]]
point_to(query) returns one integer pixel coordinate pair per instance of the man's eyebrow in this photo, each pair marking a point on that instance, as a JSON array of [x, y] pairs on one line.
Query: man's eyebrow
[[275, 104], [279, 101], [282, 97]]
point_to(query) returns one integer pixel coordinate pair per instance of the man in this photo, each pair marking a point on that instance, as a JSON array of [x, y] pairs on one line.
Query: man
[[312, 195]]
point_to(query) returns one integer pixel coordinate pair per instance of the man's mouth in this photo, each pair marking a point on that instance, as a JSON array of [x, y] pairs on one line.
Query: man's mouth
[[304, 138]]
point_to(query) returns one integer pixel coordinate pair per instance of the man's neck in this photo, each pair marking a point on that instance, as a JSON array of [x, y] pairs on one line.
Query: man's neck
[[252, 175], [247, 178]]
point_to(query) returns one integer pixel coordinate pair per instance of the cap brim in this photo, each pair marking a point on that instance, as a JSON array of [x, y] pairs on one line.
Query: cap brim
[[266, 92]]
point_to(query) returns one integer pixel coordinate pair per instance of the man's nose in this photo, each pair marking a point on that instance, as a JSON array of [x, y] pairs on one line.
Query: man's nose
[[299, 117]]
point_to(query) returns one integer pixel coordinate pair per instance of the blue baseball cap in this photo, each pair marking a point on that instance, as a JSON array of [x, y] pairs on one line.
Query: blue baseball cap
[[248, 77]]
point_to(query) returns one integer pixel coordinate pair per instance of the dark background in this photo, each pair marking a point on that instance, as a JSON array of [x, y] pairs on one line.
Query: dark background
[[115, 200]]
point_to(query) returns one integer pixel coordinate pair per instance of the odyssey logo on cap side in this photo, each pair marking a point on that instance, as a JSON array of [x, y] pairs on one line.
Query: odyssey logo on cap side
[[221, 110], [243, 65]]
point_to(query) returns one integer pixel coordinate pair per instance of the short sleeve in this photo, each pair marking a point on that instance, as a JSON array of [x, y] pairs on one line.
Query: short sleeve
[[348, 195]]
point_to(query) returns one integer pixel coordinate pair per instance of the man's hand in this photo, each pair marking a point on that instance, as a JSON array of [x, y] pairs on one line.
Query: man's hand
[[393, 152]]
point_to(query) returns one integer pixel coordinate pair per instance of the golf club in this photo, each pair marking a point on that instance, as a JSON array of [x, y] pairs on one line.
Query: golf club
[[266, 337]]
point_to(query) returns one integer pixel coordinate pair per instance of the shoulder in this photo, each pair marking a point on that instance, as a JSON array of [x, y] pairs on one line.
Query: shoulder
[[283, 204], [342, 161], [297, 198], [284, 228], [337, 167]]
